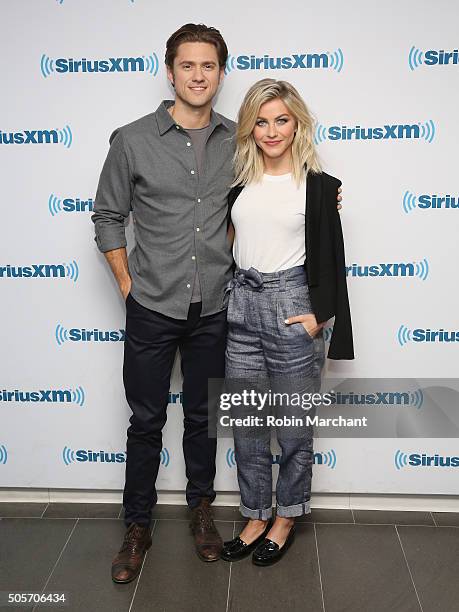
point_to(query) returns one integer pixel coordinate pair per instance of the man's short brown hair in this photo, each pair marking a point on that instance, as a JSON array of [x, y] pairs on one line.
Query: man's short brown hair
[[196, 32]]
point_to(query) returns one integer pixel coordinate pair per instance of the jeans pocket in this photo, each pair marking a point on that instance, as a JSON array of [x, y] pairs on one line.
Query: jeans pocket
[[292, 303]]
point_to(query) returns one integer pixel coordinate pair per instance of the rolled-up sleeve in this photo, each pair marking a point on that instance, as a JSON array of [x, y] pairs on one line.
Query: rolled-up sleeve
[[114, 194]]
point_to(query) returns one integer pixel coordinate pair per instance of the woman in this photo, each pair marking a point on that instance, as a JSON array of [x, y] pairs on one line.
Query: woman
[[289, 280]]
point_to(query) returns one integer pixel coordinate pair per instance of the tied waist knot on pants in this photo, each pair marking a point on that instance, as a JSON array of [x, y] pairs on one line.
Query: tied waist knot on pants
[[263, 352]]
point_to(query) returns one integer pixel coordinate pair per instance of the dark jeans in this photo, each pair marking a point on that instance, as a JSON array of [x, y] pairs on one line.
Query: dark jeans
[[152, 340]]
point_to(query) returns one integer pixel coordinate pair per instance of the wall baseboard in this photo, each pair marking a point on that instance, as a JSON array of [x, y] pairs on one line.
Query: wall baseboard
[[354, 501]]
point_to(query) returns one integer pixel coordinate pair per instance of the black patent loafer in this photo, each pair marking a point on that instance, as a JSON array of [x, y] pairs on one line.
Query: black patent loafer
[[237, 549], [268, 552]]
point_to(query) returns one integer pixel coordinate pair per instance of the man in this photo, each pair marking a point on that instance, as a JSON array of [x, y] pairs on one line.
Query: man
[[173, 169]]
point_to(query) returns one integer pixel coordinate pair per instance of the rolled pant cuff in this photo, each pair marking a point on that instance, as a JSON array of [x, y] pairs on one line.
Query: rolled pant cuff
[[295, 510], [261, 515]]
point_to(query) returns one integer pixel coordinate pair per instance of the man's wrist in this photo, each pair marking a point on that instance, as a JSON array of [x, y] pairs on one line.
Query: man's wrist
[[125, 288]]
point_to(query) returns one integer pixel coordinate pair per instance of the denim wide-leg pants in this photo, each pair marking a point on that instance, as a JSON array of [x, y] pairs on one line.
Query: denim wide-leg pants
[[265, 353]]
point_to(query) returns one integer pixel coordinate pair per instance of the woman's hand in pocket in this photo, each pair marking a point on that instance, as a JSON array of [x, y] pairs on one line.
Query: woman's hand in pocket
[[308, 321]]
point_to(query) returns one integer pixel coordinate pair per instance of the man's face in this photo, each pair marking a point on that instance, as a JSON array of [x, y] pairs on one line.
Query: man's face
[[196, 73]]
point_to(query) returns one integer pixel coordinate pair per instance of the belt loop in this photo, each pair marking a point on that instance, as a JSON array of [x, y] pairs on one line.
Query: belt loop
[[282, 280]]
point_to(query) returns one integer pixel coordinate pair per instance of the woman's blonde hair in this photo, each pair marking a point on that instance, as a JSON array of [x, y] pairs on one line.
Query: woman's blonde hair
[[248, 158]]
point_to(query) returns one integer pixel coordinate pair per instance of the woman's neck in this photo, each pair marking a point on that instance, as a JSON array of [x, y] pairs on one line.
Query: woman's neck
[[277, 166]]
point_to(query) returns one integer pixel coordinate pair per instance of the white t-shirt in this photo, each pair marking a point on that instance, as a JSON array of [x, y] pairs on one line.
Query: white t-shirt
[[268, 219]]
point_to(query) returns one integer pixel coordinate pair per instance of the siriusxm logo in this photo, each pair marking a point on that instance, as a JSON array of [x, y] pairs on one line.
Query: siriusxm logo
[[384, 398], [328, 333], [320, 458], [403, 460], [420, 269], [428, 201], [57, 205], [175, 398], [330, 60], [59, 136], [69, 270], [77, 334], [405, 335], [69, 396], [424, 131], [89, 456], [3, 454], [432, 57], [67, 65]]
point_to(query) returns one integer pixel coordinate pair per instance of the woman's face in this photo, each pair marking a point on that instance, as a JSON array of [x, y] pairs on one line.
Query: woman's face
[[274, 129]]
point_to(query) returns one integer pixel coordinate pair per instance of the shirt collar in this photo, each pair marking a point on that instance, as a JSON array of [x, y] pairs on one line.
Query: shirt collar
[[166, 122]]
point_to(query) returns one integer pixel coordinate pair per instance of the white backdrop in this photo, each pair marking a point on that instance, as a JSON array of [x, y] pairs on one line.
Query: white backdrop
[[357, 64]]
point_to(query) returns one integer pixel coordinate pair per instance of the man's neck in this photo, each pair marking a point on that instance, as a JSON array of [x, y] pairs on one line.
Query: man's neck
[[189, 117]]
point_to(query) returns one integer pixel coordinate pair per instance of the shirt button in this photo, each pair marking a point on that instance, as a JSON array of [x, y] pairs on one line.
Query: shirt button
[[199, 199], [193, 257], [192, 171], [188, 286], [188, 144], [197, 229], [177, 127]]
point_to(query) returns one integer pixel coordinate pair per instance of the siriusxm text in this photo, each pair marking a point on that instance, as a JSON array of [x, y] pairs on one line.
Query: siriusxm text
[[100, 456], [41, 395], [385, 132], [437, 335], [423, 460], [77, 205], [30, 137], [441, 57], [96, 335], [294, 61], [381, 398], [111, 64], [33, 271], [382, 269], [318, 458], [425, 201]]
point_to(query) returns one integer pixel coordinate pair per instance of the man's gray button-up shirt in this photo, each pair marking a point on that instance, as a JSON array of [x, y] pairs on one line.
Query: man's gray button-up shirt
[[180, 217]]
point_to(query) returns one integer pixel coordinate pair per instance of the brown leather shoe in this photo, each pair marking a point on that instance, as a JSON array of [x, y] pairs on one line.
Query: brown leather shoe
[[207, 540], [127, 563]]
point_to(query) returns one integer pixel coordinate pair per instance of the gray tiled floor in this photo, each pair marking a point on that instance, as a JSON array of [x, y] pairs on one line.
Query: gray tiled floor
[[341, 561]]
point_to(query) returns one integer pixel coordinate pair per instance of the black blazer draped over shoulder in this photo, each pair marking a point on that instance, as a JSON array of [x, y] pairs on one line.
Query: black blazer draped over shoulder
[[324, 263]]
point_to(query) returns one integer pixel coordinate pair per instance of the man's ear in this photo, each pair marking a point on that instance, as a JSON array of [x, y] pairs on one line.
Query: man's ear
[[222, 75], [170, 75]]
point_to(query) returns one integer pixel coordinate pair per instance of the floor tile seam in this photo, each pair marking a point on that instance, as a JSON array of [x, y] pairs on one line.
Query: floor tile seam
[[216, 520], [44, 510], [229, 575], [141, 569], [57, 561], [431, 526], [114, 518], [320, 572], [379, 524], [409, 568], [64, 518]]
